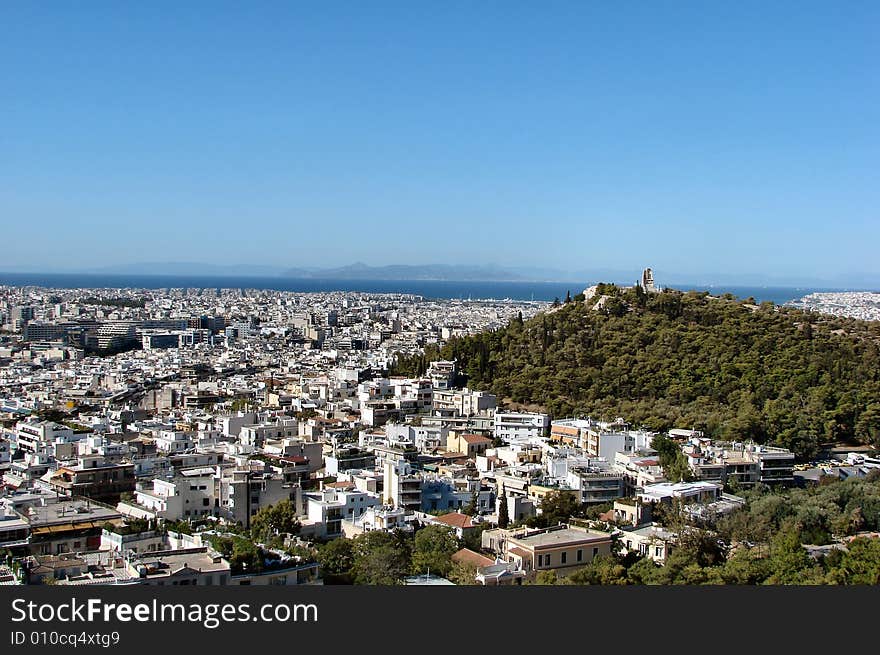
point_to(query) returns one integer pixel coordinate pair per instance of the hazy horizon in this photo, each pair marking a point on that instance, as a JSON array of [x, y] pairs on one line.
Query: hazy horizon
[[853, 281]]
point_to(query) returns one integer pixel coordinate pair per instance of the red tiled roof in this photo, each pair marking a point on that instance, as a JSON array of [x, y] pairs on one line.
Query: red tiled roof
[[455, 520], [468, 556], [475, 438]]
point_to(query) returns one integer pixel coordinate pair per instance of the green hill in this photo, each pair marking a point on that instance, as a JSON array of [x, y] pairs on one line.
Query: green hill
[[732, 368]]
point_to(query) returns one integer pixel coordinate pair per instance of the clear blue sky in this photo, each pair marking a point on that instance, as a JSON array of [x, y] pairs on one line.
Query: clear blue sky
[[693, 136]]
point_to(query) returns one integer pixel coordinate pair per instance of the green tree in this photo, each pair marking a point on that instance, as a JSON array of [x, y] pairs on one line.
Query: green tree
[[463, 573], [672, 459], [559, 506], [548, 578], [859, 565], [503, 516], [337, 558], [274, 520], [789, 561], [434, 547], [601, 571], [381, 558], [644, 571], [242, 553], [473, 507]]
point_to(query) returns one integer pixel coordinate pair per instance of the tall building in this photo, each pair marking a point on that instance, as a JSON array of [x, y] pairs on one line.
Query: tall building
[[116, 334], [20, 317]]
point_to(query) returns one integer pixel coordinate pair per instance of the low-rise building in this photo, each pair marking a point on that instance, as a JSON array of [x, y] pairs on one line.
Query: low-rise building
[[652, 540], [325, 510], [520, 427], [563, 549], [467, 444], [92, 476]]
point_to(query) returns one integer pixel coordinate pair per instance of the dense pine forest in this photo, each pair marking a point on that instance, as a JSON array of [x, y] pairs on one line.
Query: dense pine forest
[[733, 368]]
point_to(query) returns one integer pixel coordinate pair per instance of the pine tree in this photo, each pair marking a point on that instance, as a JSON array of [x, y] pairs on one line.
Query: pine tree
[[473, 507], [503, 517]]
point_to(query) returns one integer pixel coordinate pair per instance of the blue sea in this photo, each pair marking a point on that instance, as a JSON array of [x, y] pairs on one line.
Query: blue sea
[[519, 290]]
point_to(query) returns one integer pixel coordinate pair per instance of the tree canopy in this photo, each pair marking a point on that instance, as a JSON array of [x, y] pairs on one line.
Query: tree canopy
[[434, 547], [731, 368]]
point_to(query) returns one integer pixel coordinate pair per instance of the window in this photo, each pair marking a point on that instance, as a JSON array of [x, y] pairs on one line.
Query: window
[[580, 555], [657, 551], [564, 557], [595, 552]]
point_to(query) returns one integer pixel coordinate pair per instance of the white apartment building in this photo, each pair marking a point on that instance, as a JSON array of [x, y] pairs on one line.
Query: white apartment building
[[174, 441], [35, 436], [256, 435], [520, 427], [380, 517], [190, 495], [325, 510], [464, 402], [666, 492]]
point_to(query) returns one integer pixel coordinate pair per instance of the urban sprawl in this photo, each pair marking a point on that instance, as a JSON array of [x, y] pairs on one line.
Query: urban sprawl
[[144, 429]]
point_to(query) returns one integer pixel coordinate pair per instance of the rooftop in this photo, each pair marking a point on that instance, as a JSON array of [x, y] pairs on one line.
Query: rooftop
[[468, 556], [455, 520], [561, 537], [66, 512], [429, 579]]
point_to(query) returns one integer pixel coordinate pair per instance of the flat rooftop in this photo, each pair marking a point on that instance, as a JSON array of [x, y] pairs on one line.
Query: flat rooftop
[[652, 531], [66, 511], [198, 471], [560, 538], [163, 564]]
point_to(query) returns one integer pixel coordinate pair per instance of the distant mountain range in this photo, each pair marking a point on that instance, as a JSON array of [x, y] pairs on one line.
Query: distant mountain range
[[184, 268], [361, 271], [476, 273]]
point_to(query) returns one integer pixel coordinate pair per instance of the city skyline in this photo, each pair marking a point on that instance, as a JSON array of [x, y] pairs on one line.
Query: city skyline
[[730, 140]]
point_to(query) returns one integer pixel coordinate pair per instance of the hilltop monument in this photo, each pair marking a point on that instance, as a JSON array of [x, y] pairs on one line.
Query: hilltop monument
[[647, 281]]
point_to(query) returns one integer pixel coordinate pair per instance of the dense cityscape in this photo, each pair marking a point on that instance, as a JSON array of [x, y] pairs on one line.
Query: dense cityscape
[[864, 305], [239, 437]]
